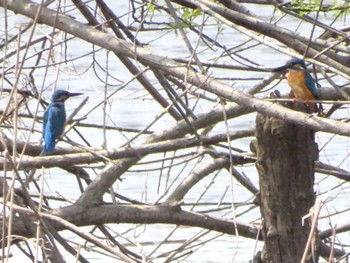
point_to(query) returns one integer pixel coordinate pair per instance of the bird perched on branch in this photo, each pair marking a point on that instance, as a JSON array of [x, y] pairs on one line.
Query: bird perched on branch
[[55, 118], [301, 82]]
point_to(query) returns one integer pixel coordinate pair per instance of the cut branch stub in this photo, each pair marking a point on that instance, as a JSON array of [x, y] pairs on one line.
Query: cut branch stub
[[286, 153]]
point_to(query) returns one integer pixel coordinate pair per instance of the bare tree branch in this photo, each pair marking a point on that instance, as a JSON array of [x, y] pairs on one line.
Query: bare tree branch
[[101, 39]]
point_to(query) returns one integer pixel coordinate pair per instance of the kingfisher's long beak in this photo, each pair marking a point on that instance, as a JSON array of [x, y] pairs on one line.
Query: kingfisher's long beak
[[285, 67], [73, 94]]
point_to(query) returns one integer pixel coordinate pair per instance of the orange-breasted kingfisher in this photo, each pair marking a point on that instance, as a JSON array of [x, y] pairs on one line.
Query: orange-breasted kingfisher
[[55, 119], [301, 82]]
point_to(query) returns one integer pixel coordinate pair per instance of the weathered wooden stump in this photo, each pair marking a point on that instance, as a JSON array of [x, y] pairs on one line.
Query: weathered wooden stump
[[286, 154]]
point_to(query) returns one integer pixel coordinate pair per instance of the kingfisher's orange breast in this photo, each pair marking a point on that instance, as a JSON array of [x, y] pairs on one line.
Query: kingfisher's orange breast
[[296, 80]]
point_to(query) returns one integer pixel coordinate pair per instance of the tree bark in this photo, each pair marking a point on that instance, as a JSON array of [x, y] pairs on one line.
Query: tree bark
[[286, 153]]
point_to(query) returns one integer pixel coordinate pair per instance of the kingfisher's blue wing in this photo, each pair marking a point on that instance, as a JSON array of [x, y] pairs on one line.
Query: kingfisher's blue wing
[[311, 85], [54, 121]]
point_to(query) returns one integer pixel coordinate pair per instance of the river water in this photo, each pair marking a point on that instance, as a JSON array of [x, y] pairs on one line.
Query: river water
[[131, 107]]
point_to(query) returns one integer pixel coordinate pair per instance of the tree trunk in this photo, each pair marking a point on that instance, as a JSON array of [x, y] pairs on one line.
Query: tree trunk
[[286, 154]]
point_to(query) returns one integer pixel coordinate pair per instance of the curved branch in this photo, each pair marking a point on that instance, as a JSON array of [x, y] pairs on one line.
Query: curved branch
[[135, 214], [193, 178], [148, 214]]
